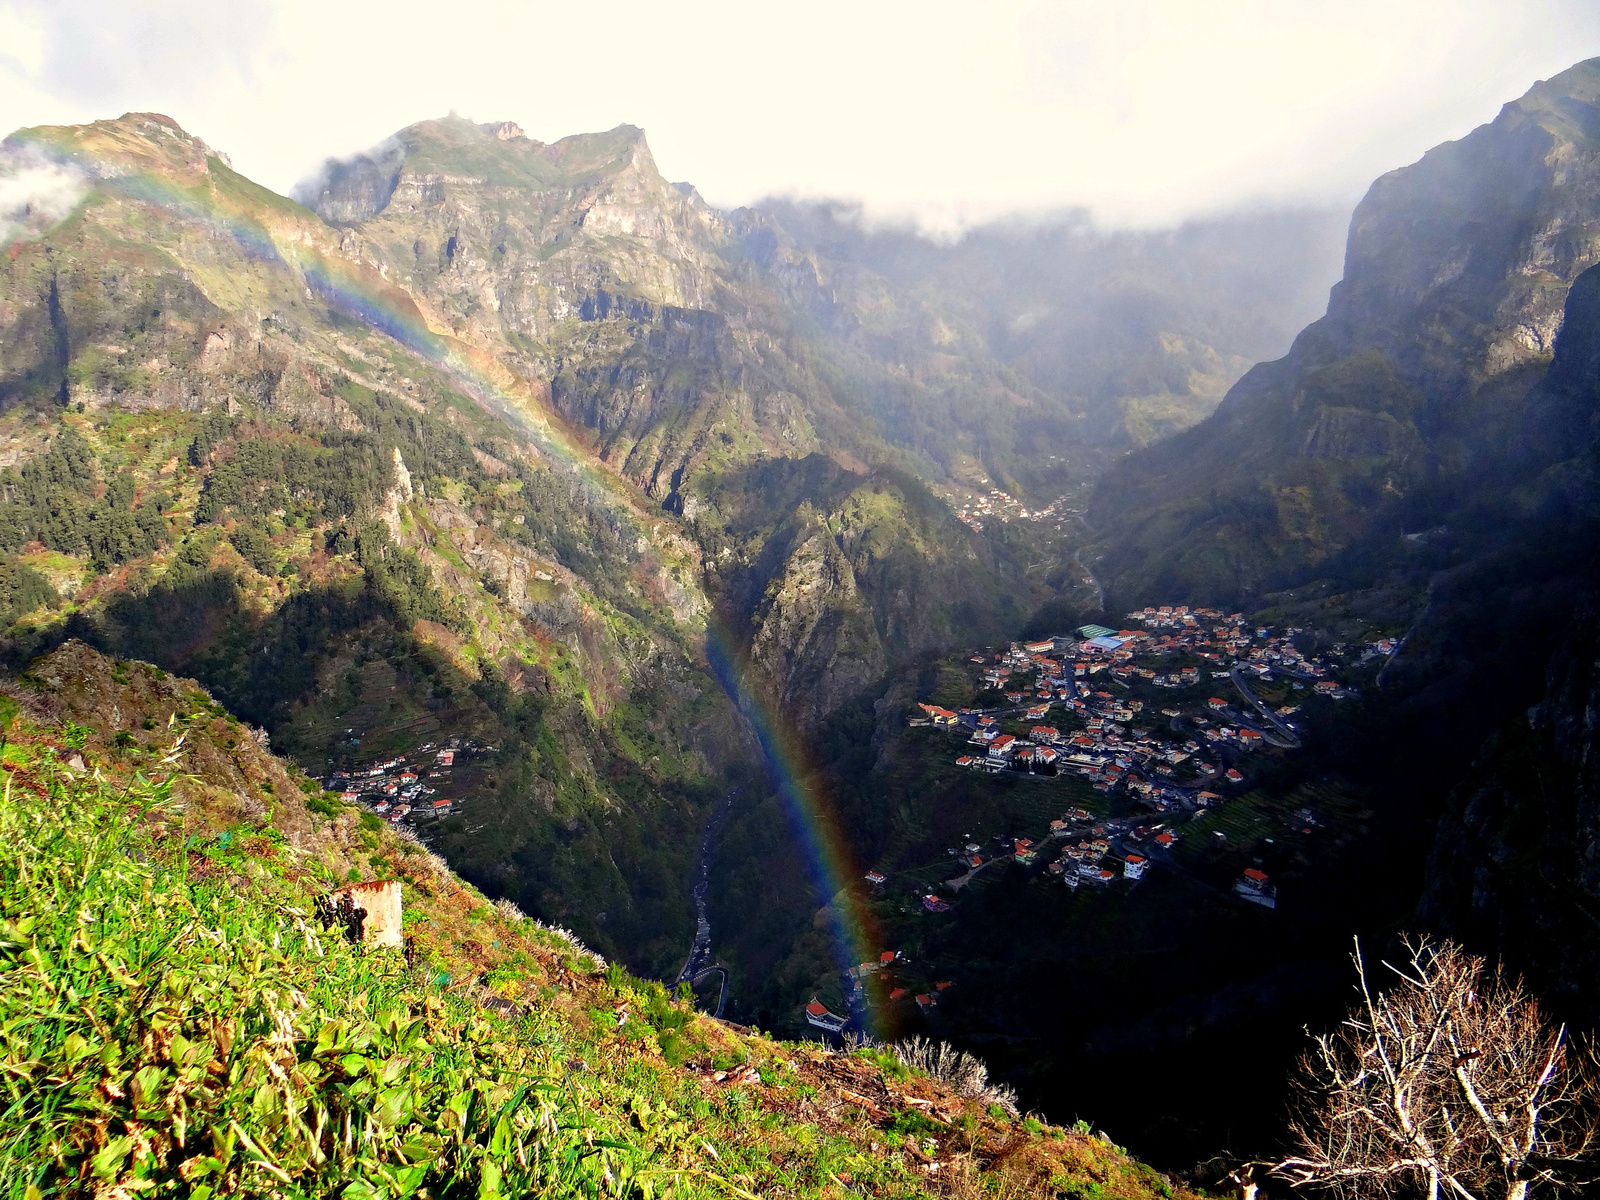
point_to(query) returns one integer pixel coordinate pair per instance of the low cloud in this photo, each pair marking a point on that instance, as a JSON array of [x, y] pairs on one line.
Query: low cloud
[[35, 195]]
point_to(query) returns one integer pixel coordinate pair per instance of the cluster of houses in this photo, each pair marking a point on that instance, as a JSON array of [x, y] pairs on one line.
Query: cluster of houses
[[1071, 707], [1094, 851], [857, 978], [1103, 747], [1225, 640], [1105, 741], [1091, 858], [400, 791], [1001, 506]]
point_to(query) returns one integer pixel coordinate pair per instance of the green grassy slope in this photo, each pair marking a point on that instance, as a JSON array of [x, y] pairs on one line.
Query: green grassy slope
[[176, 1019]]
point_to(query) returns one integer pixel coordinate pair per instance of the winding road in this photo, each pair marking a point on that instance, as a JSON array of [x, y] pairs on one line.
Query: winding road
[[1077, 557], [1291, 739], [1401, 644]]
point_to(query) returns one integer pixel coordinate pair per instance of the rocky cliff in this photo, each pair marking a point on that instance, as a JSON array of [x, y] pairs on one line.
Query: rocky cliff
[[236, 449], [1408, 390], [682, 345]]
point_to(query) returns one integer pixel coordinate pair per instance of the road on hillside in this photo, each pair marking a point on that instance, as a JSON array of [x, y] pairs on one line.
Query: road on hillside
[[722, 987], [1292, 739], [1099, 592]]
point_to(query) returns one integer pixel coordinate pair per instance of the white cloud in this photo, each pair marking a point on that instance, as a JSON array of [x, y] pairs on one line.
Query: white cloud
[[35, 194], [1146, 112]]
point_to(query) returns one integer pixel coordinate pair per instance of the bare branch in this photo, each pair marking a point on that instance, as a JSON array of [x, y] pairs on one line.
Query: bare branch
[[1448, 1083]]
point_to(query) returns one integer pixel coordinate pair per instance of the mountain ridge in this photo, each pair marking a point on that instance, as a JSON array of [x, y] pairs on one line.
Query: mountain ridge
[[1441, 325]]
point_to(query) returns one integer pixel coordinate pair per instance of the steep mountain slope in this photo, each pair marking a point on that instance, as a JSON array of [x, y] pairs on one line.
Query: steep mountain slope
[[682, 338], [572, 282], [630, 304], [184, 1013], [1396, 409], [685, 347], [1515, 867], [239, 452]]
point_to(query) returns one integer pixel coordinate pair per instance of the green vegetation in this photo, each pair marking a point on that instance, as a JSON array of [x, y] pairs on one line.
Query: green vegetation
[[52, 500], [213, 1048], [175, 1018], [22, 590]]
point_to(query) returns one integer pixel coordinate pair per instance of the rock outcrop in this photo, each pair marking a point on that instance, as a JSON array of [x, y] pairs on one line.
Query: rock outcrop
[[373, 912]]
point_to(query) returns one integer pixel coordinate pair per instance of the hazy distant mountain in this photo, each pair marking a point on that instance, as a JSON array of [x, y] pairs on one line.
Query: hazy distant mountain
[[1405, 398], [1134, 334]]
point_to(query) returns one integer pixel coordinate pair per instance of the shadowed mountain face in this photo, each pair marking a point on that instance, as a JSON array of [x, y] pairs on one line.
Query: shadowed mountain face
[[1408, 396], [1515, 869]]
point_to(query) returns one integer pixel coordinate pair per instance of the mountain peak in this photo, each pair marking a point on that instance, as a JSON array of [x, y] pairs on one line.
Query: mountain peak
[[135, 140], [1566, 105]]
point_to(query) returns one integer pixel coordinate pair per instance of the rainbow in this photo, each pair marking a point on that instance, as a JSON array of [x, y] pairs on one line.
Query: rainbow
[[854, 934], [296, 239]]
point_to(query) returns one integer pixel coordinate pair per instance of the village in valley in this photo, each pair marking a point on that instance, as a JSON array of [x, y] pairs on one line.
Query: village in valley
[[996, 505], [1140, 739], [404, 790]]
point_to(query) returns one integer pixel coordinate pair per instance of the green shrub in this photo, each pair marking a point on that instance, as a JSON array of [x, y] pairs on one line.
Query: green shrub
[[914, 1122], [255, 548], [326, 804]]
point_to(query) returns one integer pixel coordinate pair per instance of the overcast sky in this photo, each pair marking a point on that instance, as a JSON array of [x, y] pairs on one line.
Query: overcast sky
[[951, 113]]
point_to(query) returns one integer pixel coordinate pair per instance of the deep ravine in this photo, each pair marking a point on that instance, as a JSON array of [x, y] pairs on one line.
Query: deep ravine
[[697, 965]]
